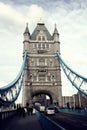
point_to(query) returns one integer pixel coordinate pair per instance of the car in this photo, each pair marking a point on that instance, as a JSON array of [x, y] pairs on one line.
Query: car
[[50, 111], [54, 107]]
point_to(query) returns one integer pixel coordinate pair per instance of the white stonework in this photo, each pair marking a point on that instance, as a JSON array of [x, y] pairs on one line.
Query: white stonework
[[42, 71]]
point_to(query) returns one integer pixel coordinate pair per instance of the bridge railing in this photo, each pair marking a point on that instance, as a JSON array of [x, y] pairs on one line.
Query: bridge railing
[[47, 123], [7, 114]]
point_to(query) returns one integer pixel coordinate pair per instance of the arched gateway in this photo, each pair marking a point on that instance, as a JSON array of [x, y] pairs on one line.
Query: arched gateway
[[42, 74]]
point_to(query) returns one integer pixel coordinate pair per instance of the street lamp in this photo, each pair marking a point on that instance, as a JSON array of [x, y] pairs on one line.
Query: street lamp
[[79, 100], [30, 93]]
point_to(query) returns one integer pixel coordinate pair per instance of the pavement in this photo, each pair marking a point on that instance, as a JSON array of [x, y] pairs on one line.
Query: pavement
[[21, 123], [77, 112]]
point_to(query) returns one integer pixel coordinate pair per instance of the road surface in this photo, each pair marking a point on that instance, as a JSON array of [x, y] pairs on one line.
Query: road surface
[[70, 121]]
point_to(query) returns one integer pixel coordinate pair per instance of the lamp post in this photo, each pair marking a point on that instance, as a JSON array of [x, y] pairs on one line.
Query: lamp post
[[30, 93], [79, 100], [74, 102]]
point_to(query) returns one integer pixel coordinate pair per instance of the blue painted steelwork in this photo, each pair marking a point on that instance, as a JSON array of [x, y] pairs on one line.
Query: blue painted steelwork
[[10, 92], [47, 123], [77, 80]]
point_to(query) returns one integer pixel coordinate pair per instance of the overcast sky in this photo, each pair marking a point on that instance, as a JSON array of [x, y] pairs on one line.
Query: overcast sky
[[71, 19]]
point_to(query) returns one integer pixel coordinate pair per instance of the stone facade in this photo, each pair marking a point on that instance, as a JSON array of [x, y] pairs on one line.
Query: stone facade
[[80, 100], [76, 101], [66, 100], [42, 73]]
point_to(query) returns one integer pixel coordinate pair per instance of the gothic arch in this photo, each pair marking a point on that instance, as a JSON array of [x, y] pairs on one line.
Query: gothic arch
[[48, 93]]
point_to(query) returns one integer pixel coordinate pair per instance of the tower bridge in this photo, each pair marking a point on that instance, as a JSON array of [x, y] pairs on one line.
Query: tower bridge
[[40, 76], [40, 73]]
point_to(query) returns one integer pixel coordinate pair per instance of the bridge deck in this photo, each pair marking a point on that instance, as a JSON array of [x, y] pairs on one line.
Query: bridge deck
[[21, 123]]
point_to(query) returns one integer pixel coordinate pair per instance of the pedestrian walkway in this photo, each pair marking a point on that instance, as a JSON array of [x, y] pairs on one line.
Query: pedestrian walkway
[[22, 123], [77, 112]]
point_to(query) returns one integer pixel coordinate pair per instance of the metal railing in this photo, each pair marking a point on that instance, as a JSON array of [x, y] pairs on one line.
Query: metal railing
[[7, 114], [47, 123]]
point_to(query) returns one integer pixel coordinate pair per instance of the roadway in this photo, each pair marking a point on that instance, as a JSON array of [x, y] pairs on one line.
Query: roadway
[[70, 121], [65, 120]]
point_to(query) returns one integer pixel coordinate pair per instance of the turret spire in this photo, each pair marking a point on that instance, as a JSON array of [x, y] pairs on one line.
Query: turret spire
[[55, 30], [26, 29], [26, 34], [56, 34]]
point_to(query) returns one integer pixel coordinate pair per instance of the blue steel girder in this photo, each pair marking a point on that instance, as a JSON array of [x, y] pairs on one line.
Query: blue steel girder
[[77, 80], [9, 96], [10, 92]]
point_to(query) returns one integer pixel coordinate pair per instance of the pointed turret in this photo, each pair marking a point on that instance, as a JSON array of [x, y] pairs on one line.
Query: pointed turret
[[56, 34], [26, 38], [26, 29], [56, 39], [55, 30], [26, 33]]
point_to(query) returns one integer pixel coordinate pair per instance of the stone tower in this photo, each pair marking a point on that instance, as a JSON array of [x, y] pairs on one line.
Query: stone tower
[[42, 73]]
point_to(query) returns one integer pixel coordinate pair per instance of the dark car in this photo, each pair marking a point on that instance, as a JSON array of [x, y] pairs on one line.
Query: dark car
[[56, 109]]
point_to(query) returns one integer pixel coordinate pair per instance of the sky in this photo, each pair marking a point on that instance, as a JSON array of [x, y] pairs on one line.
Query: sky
[[70, 17]]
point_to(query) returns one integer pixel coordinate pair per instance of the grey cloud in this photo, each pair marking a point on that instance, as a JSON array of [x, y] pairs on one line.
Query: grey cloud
[[50, 4]]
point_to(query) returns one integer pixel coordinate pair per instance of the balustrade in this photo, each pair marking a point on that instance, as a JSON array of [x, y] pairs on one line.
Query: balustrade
[[7, 114]]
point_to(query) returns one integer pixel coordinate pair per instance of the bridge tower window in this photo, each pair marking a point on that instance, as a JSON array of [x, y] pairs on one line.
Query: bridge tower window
[[47, 45], [43, 46], [39, 38], [39, 45], [49, 78], [32, 62], [35, 78], [41, 77], [41, 62], [43, 38]]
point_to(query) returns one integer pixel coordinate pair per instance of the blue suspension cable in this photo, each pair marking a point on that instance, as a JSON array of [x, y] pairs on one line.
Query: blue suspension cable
[[10, 85], [67, 70], [10, 92]]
